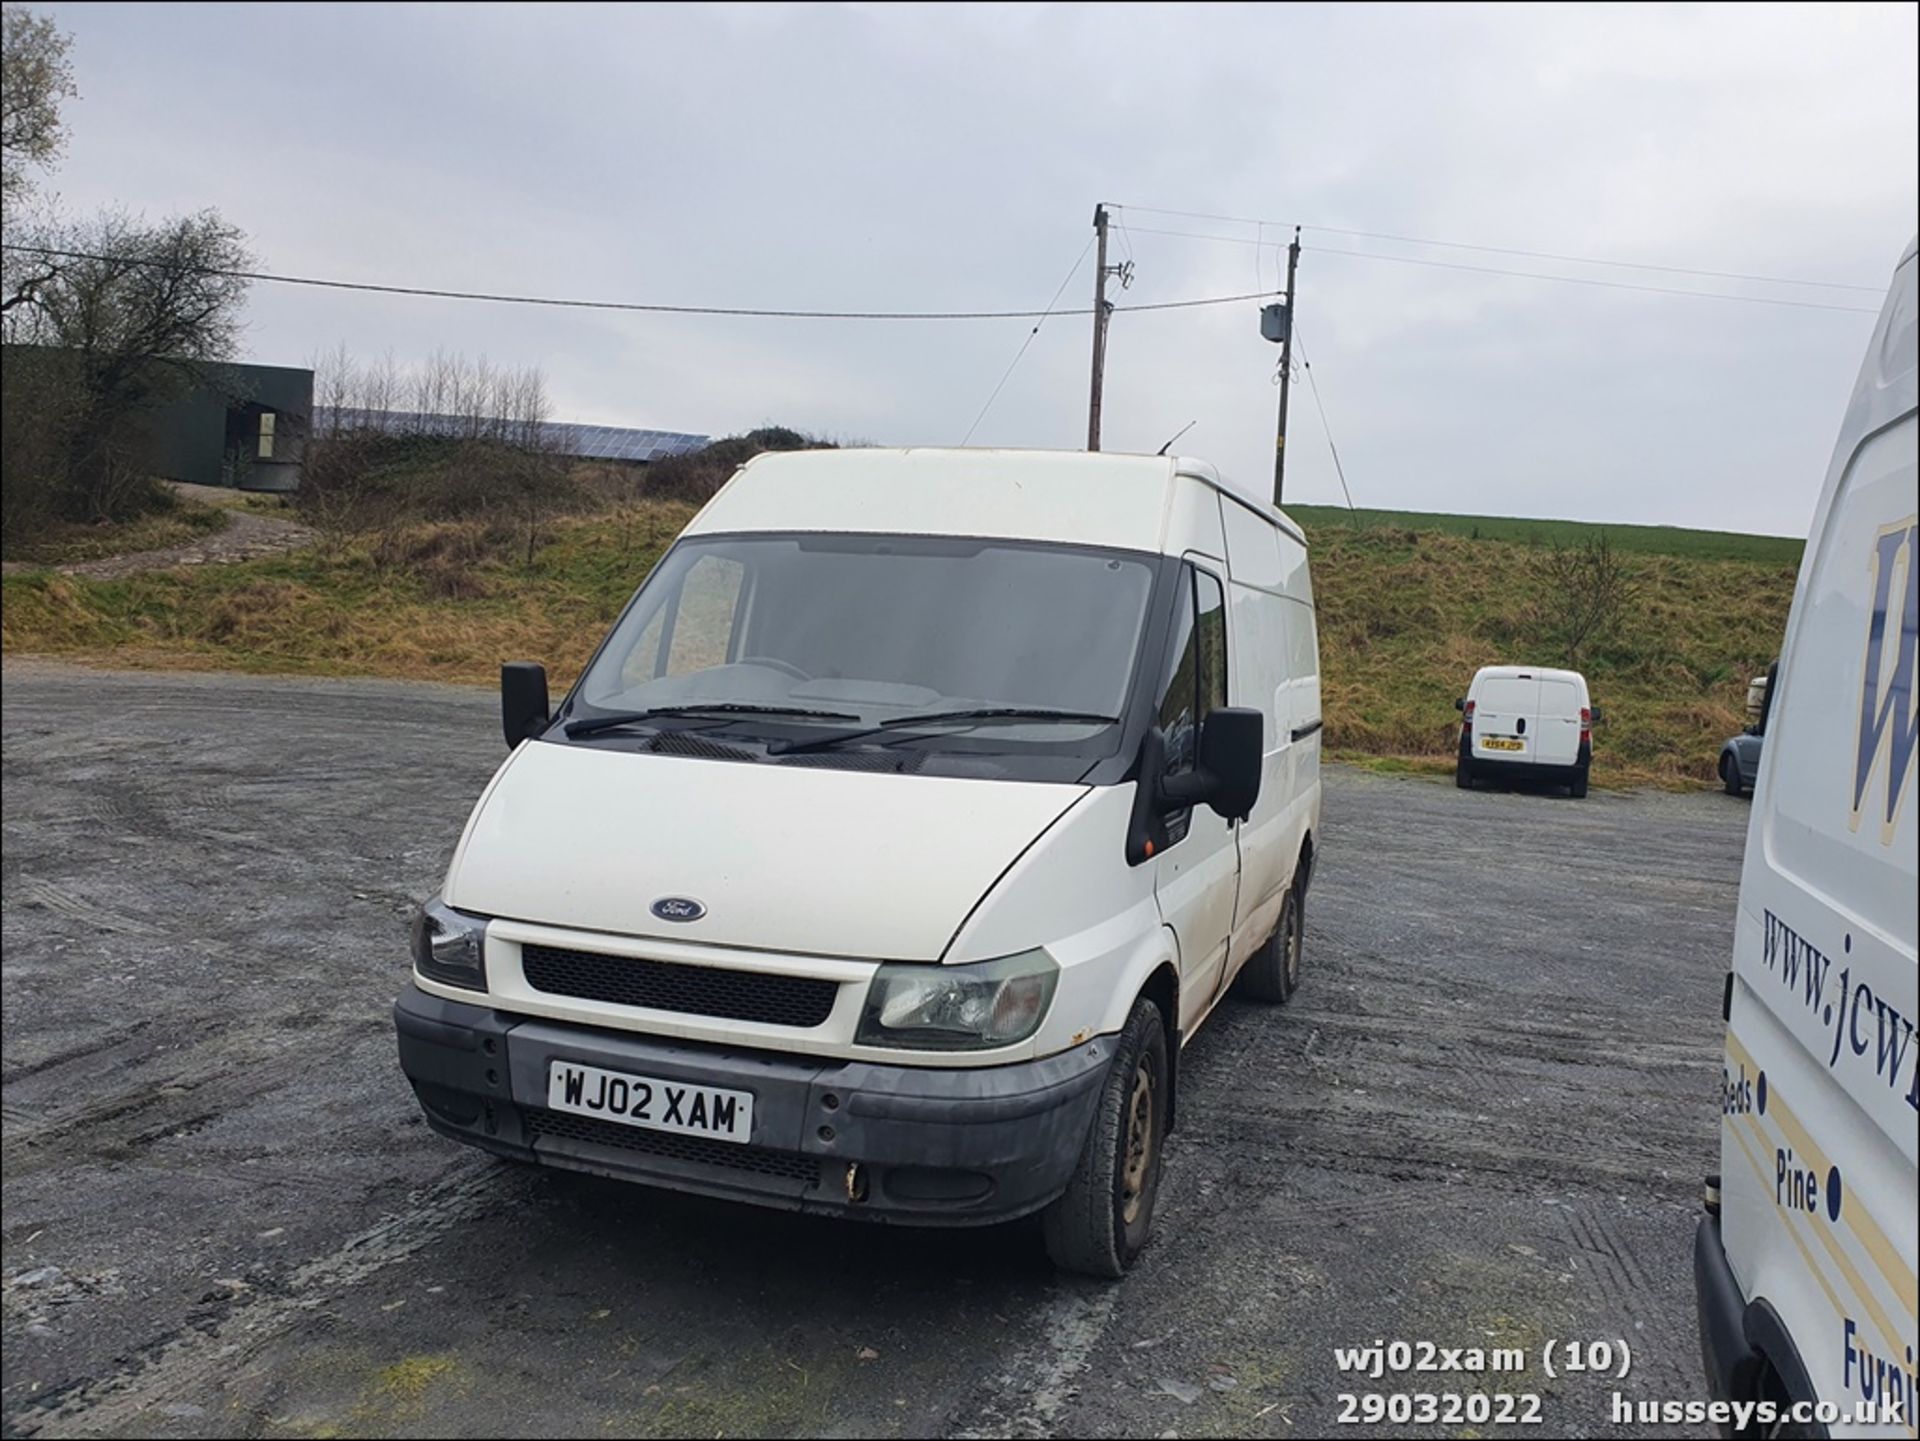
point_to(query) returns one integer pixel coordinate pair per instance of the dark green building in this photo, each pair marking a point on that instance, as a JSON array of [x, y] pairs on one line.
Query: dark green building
[[242, 426]]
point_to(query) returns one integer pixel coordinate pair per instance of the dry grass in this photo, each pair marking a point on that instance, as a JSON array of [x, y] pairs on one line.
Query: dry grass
[[1405, 618], [440, 601], [68, 542]]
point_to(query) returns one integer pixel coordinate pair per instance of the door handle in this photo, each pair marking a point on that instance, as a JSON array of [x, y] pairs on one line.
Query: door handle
[[1300, 733]]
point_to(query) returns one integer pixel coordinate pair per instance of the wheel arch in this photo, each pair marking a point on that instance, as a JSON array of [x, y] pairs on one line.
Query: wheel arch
[[1162, 987]]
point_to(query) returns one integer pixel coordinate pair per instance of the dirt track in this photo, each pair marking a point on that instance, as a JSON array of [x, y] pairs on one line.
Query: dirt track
[[1482, 1122]]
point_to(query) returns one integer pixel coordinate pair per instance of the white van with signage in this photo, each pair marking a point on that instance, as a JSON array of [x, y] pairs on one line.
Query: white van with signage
[[1520, 722], [1805, 1264], [915, 813]]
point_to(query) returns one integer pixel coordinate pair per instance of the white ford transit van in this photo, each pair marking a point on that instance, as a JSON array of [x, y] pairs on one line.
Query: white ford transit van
[[1525, 722], [913, 816], [1804, 1265]]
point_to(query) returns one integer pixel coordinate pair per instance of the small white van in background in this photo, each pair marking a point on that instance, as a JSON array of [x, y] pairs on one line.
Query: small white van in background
[[1525, 722], [1804, 1265], [915, 813]]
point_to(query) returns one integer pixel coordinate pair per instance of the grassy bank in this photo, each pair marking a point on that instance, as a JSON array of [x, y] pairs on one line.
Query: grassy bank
[[1405, 617], [67, 542], [1670, 540], [440, 601]]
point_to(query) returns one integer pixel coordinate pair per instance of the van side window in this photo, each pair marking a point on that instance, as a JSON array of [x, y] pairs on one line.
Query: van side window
[[1175, 712], [1213, 643], [1196, 677]]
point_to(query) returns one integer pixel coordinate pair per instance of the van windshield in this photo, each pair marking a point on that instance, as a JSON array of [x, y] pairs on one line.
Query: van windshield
[[841, 632]]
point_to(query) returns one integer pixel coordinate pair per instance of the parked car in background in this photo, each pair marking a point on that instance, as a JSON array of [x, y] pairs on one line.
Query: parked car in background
[[1526, 723], [1740, 756], [1740, 761], [916, 812]]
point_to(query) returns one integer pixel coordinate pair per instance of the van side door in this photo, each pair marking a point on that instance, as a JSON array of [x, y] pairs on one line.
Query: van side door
[[1197, 870], [1557, 728]]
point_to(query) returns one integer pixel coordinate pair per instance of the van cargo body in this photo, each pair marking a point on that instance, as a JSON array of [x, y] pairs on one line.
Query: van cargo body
[[1804, 1265], [914, 814]]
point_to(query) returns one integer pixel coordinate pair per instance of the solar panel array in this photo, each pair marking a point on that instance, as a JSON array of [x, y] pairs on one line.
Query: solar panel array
[[585, 442]]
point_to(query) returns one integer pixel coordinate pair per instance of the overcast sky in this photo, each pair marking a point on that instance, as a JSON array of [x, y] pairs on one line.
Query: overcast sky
[[904, 157]]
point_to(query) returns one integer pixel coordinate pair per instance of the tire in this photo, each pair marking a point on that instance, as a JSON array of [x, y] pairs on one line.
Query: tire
[[1463, 773], [1730, 775], [1272, 973], [1577, 787], [1100, 1223]]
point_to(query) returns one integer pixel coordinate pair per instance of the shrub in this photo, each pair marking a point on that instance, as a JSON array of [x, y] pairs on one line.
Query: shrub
[[697, 476]]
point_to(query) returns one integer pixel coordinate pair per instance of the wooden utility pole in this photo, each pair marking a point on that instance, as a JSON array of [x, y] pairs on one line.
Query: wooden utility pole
[[1286, 375], [1099, 328]]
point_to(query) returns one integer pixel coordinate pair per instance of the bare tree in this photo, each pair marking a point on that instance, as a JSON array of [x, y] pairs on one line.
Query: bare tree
[[35, 76], [1588, 591]]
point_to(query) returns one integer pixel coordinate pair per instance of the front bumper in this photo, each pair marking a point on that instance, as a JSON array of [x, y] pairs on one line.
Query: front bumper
[[913, 1144]]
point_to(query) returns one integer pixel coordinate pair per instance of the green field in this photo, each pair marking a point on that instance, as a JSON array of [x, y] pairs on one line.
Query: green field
[[1637, 539]]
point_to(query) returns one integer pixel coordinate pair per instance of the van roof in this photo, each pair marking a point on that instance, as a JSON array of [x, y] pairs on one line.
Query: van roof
[[1089, 498], [1529, 672]]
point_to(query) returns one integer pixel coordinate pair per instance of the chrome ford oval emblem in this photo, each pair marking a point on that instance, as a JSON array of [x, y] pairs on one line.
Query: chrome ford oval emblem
[[678, 908]]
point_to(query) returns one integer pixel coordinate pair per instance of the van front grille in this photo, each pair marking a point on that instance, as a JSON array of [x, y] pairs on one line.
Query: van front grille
[[798, 1001], [563, 1126]]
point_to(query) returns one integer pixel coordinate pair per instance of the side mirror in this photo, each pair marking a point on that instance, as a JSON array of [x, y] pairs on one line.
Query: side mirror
[[1460, 704], [523, 700], [1226, 775], [1599, 715]]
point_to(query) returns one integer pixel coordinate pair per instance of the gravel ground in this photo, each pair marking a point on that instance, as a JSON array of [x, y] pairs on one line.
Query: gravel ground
[[1482, 1122]]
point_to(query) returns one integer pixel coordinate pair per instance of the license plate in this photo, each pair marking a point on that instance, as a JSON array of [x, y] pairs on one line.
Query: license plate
[[650, 1103], [1501, 743]]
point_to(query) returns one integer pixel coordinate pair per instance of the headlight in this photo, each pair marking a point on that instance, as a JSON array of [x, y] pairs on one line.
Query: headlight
[[450, 946], [958, 1008]]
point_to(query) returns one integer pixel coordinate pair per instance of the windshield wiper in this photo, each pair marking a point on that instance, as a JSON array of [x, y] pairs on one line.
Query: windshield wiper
[[971, 717], [587, 725]]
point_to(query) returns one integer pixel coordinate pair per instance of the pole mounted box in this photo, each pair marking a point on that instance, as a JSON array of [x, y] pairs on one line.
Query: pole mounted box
[[1273, 322]]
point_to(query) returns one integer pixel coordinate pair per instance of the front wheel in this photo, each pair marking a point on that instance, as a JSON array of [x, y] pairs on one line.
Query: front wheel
[[1099, 1225], [1730, 774]]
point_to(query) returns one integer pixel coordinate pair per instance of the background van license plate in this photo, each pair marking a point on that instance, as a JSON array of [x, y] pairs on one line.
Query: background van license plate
[[1502, 743], [650, 1103]]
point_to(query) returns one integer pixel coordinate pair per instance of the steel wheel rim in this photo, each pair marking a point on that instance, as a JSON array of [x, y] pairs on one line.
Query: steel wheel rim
[[1140, 1144], [1293, 943]]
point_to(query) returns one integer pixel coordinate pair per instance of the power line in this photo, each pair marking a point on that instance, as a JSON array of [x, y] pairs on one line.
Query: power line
[[1525, 254], [1325, 429], [624, 305], [1604, 284], [1021, 352], [1536, 275]]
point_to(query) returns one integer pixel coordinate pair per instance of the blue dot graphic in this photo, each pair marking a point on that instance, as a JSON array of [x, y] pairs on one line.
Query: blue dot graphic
[[1833, 1193], [1829, 1016], [1760, 1093], [1846, 942]]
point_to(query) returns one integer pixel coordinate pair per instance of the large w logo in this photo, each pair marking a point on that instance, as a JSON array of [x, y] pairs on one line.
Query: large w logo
[[1887, 699]]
